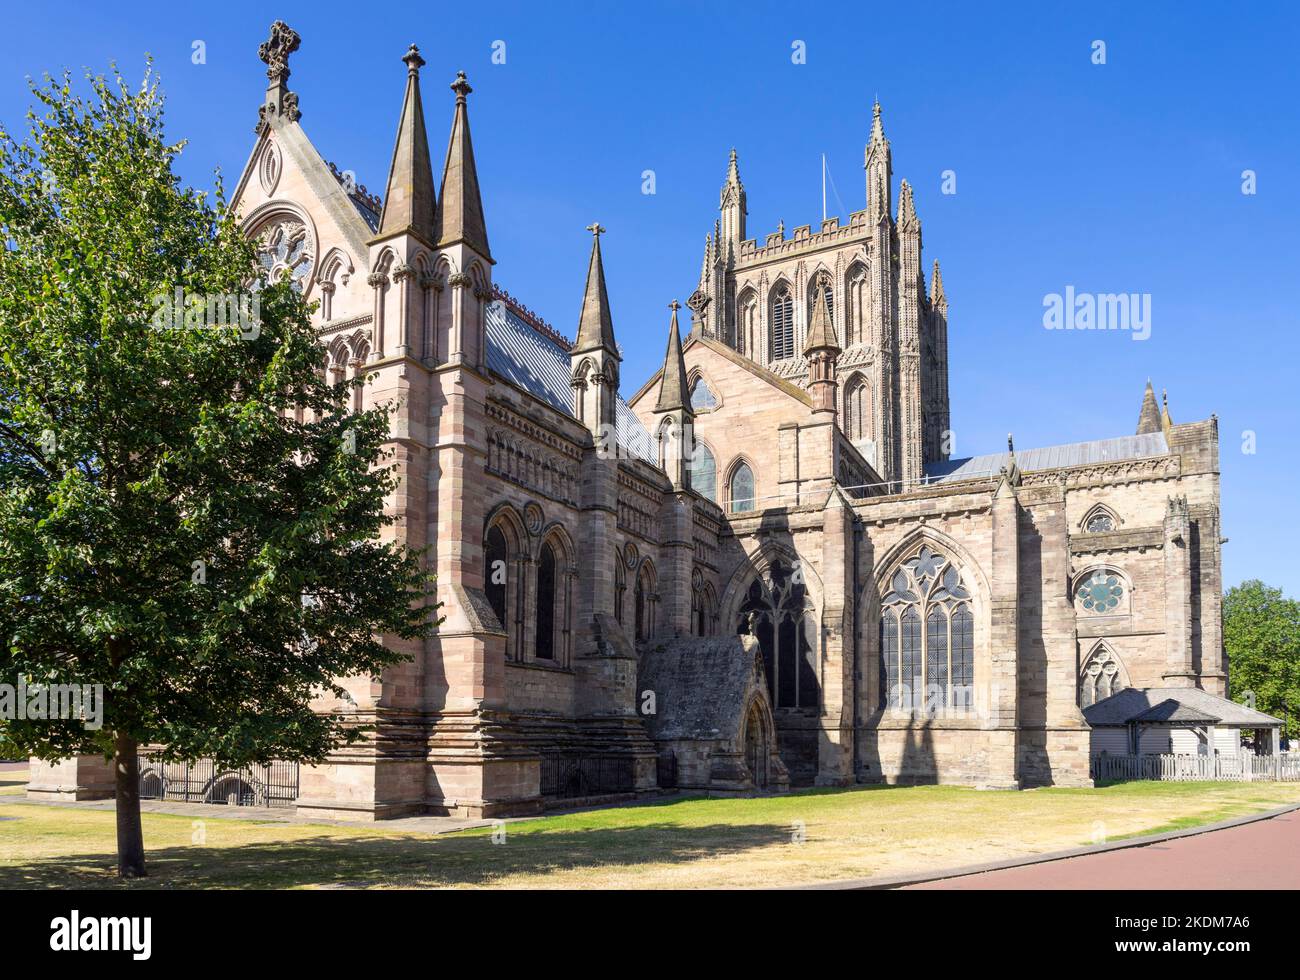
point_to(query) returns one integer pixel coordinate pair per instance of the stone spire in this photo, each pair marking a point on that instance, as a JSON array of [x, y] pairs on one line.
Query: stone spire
[[821, 332], [1166, 421], [595, 325], [822, 351], [907, 219], [460, 216], [938, 298], [1149, 418], [672, 385], [409, 200], [731, 202], [879, 168]]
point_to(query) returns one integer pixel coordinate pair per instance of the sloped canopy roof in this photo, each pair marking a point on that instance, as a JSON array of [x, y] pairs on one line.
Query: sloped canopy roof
[[1173, 704], [1051, 458]]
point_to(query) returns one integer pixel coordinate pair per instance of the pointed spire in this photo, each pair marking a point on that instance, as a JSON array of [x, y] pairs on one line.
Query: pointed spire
[[821, 332], [1165, 419], [672, 386], [409, 199], [708, 258], [907, 219], [595, 326], [877, 127], [732, 185], [460, 216], [938, 298], [1149, 417]]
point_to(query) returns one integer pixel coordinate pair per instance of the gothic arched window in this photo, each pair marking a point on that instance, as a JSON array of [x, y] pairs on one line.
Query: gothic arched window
[[1101, 677], [620, 584], [546, 601], [704, 472], [496, 559], [644, 599], [778, 611], [782, 332], [699, 607], [855, 307], [857, 409], [702, 397], [927, 636], [1100, 520], [742, 488], [746, 324]]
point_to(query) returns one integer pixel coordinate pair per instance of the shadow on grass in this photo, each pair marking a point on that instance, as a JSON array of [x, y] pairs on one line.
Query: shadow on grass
[[361, 862]]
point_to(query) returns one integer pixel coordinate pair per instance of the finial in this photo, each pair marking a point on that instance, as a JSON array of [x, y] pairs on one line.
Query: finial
[[275, 51], [1164, 397], [875, 106], [1011, 445], [461, 87], [413, 60], [674, 306], [596, 229], [780, 229]]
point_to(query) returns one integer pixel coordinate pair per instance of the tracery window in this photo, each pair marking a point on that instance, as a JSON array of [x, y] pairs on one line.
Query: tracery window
[[779, 612], [742, 488], [857, 409], [1100, 520], [927, 637], [704, 472], [285, 247], [702, 397], [1102, 676], [782, 340], [1100, 592]]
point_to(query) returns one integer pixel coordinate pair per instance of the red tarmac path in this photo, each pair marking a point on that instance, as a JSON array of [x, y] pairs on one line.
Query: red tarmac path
[[1264, 854]]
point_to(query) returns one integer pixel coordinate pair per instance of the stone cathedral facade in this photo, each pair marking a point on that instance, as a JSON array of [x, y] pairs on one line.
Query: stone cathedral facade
[[756, 569]]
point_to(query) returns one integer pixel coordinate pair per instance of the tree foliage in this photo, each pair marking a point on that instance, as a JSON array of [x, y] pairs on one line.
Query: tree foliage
[[191, 517], [1261, 634]]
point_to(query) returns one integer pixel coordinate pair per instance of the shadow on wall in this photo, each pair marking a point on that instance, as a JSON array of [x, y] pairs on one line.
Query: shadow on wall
[[919, 766], [1033, 767]]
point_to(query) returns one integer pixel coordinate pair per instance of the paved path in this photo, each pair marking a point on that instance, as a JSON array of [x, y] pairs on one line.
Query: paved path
[[1265, 854]]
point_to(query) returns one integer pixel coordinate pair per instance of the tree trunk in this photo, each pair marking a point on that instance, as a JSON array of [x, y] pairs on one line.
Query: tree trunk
[[130, 836]]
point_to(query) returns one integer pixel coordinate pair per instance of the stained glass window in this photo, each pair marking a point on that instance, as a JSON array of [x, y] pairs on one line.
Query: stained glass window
[[1100, 592], [742, 489], [285, 248], [780, 614], [546, 601], [1100, 522], [928, 651], [704, 472], [1101, 678], [702, 396]]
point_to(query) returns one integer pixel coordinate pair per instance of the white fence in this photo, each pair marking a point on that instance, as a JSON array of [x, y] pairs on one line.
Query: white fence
[[1243, 768]]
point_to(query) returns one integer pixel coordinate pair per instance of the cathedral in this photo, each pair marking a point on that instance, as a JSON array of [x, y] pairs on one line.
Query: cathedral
[[757, 569]]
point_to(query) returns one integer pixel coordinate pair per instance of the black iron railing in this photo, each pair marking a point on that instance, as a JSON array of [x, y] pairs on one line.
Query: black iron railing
[[568, 777], [203, 781]]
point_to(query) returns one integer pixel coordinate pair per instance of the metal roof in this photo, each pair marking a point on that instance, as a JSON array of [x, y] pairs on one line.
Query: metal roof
[[521, 355], [1051, 457], [1178, 704]]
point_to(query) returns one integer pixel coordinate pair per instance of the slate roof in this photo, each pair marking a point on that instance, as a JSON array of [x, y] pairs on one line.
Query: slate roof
[[1162, 704], [522, 355], [1052, 457]]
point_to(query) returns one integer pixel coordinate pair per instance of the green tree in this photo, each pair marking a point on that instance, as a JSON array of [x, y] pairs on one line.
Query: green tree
[[190, 517], [1261, 634]]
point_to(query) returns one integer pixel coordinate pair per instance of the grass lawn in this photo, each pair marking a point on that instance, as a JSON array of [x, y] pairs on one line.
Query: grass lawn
[[680, 843], [13, 782]]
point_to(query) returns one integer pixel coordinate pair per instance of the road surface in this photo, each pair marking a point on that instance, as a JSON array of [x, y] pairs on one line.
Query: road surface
[[1264, 854]]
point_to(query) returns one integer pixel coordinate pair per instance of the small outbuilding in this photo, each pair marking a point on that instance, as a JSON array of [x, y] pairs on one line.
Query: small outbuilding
[[1177, 721]]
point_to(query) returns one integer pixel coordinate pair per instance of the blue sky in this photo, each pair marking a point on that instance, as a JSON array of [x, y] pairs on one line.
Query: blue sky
[[1122, 177]]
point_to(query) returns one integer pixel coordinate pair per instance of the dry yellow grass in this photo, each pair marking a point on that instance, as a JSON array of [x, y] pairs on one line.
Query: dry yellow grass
[[817, 835]]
